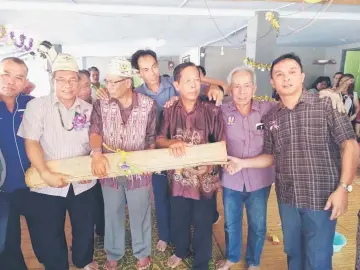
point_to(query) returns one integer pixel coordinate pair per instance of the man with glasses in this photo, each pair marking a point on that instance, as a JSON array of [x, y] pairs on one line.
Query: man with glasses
[[52, 129], [125, 121]]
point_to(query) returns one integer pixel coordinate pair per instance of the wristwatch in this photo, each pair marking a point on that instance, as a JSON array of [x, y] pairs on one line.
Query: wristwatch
[[95, 150], [347, 187]]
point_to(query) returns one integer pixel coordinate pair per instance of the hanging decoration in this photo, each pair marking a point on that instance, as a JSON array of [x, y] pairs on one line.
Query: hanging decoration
[[270, 17], [21, 42], [2, 31], [260, 66]]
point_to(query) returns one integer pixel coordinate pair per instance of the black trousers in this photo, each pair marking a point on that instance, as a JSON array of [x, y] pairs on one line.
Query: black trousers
[[46, 226], [18, 204], [200, 213], [99, 210]]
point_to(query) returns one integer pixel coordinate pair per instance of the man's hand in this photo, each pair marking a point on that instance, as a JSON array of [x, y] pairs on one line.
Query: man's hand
[[215, 94], [171, 102], [235, 165], [102, 93], [85, 182], [338, 201], [177, 148], [335, 99], [56, 180], [99, 165]]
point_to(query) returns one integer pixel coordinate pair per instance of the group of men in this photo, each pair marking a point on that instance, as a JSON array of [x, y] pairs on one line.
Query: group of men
[[310, 143]]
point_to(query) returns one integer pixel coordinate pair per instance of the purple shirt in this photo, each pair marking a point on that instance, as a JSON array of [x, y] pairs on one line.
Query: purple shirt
[[244, 140]]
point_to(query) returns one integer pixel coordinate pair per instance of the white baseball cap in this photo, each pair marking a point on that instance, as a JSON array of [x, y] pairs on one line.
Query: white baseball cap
[[121, 67], [65, 62]]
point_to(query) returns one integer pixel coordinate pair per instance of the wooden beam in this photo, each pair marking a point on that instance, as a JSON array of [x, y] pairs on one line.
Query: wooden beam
[[335, 2]]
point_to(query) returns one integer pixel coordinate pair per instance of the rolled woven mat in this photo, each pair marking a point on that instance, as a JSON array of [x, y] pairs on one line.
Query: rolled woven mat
[[137, 162]]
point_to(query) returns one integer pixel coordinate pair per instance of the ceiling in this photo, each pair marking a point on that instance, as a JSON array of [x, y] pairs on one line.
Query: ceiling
[[86, 28]]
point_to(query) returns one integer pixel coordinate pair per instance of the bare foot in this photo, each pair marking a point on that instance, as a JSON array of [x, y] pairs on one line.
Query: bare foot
[[224, 265], [174, 261], [161, 246], [143, 263], [110, 265], [92, 266]]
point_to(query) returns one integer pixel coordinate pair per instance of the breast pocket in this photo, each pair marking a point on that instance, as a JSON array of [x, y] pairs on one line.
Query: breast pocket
[[257, 140]]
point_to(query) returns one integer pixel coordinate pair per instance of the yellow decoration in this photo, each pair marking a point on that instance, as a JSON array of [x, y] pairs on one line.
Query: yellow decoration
[[270, 17], [313, 1], [264, 98], [260, 66], [126, 168], [2, 31]]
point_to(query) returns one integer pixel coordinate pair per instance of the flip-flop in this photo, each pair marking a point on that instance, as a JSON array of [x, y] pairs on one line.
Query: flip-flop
[[110, 265], [140, 266]]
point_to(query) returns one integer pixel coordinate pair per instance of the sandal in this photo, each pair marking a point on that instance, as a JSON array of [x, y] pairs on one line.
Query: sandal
[[110, 265], [224, 265], [143, 263]]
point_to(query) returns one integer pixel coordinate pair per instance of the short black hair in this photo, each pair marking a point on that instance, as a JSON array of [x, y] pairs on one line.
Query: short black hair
[[16, 60], [179, 68], [166, 75], [321, 79], [202, 69], [84, 72], [94, 69], [291, 56], [338, 73], [141, 53]]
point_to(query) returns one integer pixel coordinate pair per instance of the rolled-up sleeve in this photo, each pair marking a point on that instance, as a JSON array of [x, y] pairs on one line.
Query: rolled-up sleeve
[[339, 124], [96, 125], [268, 142], [151, 126], [32, 124]]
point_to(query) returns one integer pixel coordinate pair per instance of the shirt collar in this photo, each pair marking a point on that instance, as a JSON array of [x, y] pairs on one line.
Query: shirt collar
[[55, 101], [196, 106], [165, 82], [135, 99], [255, 106], [305, 97]]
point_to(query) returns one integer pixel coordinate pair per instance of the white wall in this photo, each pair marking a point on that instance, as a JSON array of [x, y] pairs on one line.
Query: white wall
[[102, 62], [219, 66], [336, 54], [194, 54]]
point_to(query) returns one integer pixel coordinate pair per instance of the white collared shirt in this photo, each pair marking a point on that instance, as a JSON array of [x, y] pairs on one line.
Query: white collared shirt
[[42, 122]]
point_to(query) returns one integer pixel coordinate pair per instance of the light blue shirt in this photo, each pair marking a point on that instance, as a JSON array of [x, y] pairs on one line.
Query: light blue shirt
[[165, 93]]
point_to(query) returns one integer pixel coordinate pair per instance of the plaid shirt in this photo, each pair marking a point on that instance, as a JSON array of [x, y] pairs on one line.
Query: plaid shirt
[[306, 144]]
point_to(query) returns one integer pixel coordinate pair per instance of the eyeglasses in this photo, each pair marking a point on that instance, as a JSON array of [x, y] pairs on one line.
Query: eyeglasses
[[115, 82], [71, 82]]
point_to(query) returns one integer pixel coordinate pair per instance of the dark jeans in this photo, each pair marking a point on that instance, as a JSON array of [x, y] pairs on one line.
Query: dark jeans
[[18, 204], [256, 210], [46, 227], [308, 237], [200, 213], [162, 205], [99, 210], [4, 210]]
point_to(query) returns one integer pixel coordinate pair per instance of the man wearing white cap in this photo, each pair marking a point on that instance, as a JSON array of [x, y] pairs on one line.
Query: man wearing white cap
[[126, 121], [56, 127]]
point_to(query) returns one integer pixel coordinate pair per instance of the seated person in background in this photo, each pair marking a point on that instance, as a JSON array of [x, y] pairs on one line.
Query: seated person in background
[[320, 83]]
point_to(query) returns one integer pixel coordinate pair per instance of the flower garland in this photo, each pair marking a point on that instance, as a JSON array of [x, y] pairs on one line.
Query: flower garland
[[22, 44], [260, 66], [270, 17]]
